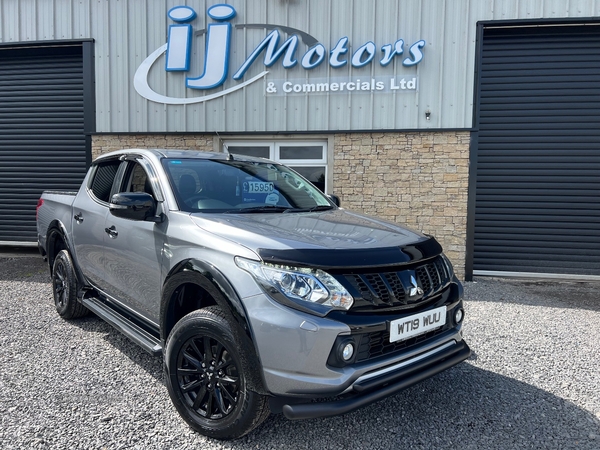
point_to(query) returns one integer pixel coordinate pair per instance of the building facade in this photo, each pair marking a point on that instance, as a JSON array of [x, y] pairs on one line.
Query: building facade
[[472, 120]]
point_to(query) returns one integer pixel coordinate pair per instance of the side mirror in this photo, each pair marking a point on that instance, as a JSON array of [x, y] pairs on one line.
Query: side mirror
[[133, 206], [335, 199]]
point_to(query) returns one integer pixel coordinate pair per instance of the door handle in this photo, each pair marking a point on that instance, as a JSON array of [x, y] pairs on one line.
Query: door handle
[[78, 218], [112, 232]]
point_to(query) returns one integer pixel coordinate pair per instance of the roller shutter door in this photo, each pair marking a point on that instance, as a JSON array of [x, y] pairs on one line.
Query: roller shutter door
[[537, 206], [42, 141]]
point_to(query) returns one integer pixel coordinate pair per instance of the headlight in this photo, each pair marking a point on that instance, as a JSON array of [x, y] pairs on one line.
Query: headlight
[[297, 283]]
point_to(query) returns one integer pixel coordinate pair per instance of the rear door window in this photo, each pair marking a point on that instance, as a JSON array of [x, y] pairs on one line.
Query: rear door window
[[103, 179]]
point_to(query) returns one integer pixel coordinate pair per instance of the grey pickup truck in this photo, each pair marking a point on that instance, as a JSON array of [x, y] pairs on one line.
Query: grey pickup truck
[[259, 291]]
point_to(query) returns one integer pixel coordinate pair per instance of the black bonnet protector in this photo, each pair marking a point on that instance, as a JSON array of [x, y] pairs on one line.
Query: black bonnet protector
[[353, 258]]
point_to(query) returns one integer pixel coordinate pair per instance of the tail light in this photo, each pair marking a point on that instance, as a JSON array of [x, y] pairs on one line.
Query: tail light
[[37, 208]]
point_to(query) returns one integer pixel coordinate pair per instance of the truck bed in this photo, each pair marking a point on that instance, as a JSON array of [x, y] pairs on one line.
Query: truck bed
[[53, 205]]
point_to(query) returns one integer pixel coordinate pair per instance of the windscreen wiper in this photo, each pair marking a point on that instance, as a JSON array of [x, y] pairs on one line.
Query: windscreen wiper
[[314, 208], [259, 209]]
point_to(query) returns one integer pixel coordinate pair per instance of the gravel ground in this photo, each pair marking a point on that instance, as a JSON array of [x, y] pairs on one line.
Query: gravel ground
[[533, 380]]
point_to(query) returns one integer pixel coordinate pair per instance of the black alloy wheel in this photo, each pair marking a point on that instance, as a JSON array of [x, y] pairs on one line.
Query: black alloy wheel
[[208, 376], [61, 286], [64, 287]]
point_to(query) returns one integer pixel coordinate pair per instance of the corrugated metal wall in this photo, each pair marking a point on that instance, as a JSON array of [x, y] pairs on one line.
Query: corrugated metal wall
[[42, 141], [538, 162], [126, 32]]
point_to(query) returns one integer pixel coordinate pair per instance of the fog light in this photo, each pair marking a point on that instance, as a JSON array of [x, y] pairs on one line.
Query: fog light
[[347, 352], [458, 315]]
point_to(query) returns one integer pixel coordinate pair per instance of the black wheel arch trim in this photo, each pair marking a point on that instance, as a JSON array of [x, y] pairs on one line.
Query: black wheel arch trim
[[210, 278], [57, 230]]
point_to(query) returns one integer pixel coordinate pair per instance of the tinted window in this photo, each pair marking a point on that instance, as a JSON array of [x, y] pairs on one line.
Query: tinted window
[[104, 176], [137, 179]]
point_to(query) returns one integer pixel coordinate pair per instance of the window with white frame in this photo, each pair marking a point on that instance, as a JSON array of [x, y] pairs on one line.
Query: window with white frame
[[308, 158]]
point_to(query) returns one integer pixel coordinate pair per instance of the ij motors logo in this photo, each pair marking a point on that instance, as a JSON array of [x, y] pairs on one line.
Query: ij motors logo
[[219, 38]]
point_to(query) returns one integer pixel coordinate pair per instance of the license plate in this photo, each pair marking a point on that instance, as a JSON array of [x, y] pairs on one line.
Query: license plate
[[416, 324]]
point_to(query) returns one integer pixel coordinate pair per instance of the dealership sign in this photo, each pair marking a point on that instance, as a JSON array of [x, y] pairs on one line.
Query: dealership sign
[[178, 52]]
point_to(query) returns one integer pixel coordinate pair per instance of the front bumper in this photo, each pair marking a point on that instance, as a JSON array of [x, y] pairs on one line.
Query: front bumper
[[295, 350], [380, 384]]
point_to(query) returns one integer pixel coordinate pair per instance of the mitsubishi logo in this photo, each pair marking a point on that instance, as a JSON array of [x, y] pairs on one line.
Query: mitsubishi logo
[[415, 289]]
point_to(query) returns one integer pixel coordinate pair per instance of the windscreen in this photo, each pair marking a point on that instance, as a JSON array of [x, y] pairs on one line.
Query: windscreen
[[205, 185]]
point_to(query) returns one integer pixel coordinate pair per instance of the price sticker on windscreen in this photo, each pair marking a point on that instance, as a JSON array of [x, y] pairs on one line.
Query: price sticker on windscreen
[[258, 187]]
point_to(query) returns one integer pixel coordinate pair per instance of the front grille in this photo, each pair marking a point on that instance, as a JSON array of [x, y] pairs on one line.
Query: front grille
[[373, 345], [390, 290], [425, 280], [396, 285]]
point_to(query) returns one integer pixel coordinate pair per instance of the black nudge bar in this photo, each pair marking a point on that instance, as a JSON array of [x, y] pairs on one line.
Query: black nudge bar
[[367, 392]]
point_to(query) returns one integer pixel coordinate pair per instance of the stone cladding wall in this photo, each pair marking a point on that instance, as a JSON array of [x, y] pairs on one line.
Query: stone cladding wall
[[419, 179], [104, 143]]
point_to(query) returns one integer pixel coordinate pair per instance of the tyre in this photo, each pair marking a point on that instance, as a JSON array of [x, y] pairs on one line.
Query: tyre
[[64, 286], [207, 377]]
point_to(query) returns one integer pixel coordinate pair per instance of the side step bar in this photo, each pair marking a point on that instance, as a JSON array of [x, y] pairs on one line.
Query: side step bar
[[141, 337]]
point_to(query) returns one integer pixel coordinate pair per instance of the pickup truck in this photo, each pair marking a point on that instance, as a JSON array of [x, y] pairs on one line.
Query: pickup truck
[[261, 294]]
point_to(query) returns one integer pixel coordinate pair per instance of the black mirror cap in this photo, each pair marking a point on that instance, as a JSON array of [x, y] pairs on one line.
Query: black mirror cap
[[133, 206], [335, 199]]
